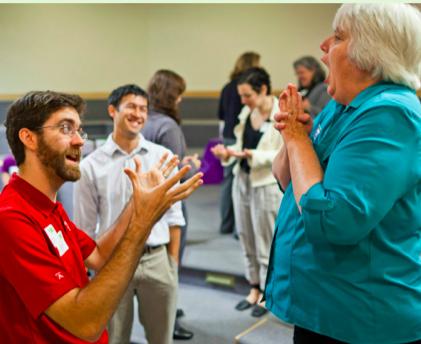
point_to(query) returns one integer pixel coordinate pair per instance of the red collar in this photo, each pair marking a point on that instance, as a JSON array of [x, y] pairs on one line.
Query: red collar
[[32, 195]]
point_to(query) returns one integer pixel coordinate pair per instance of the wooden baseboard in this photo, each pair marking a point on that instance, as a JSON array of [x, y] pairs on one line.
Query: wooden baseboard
[[104, 95]]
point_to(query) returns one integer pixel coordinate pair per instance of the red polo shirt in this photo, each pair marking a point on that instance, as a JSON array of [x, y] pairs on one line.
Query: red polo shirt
[[42, 258]]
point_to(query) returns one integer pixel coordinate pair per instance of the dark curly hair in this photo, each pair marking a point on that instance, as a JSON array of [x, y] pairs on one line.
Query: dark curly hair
[[119, 93], [256, 77]]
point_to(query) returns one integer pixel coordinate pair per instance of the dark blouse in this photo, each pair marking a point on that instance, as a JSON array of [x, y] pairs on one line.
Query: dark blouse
[[229, 108], [251, 138]]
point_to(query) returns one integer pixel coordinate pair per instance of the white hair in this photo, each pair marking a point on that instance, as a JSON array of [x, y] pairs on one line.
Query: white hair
[[385, 40]]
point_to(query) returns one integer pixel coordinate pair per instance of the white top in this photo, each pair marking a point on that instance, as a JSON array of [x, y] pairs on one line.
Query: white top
[[104, 189], [269, 145]]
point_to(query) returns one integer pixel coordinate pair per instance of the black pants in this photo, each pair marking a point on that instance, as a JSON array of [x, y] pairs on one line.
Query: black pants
[[226, 207], [303, 336]]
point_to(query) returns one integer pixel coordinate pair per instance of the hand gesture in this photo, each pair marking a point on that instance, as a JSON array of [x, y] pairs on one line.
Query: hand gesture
[[248, 153], [194, 159], [235, 154], [220, 151], [291, 121], [157, 174], [244, 154], [153, 195]]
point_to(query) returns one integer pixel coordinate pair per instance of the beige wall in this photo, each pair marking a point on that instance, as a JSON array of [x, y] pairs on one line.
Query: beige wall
[[95, 47]]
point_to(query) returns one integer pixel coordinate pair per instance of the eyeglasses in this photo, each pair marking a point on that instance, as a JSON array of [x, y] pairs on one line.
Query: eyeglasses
[[67, 129]]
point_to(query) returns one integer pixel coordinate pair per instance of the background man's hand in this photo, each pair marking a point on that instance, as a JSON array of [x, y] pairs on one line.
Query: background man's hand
[[194, 159]]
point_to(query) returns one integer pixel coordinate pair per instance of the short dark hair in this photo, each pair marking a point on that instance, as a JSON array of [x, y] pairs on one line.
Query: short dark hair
[[164, 89], [32, 111], [311, 63], [119, 93], [256, 77]]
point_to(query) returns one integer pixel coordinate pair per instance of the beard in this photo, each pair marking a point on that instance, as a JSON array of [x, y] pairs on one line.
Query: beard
[[56, 160]]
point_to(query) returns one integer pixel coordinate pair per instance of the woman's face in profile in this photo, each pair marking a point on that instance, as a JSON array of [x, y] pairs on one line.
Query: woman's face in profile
[[304, 76], [249, 96], [343, 76]]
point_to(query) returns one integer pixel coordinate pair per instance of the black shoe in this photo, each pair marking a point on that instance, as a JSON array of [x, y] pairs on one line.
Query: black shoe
[[243, 305], [258, 311], [226, 231], [180, 313], [180, 333]]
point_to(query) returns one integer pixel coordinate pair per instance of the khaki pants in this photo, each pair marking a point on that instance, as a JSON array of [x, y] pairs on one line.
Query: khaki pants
[[255, 211], [155, 285]]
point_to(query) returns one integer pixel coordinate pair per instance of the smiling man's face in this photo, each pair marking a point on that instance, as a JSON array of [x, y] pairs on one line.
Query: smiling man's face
[[130, 115]]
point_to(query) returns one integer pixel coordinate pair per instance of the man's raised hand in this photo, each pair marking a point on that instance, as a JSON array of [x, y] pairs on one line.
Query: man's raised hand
[[153, 194], [157, 174]]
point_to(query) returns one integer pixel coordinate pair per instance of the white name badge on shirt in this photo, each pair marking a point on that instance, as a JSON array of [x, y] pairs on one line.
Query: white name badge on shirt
[[56, 239], [264, 127]]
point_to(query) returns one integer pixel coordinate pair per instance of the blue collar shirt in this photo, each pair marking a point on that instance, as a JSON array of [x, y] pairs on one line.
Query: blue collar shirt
[[348, 266]]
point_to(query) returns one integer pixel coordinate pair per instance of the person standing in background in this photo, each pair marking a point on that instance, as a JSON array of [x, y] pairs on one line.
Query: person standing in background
[[345, 260], [256, 194], [311, 77], [103, 192], [165, 90], [229, 108]]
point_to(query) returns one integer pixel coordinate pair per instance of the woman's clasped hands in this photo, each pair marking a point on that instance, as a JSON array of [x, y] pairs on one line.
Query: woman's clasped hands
[[291, 120]]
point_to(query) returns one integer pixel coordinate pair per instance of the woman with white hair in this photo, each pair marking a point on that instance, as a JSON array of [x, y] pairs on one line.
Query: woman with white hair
[[345, 261]]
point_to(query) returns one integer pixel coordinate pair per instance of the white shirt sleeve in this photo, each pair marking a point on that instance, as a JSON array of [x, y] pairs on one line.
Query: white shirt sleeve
[[85, 203]]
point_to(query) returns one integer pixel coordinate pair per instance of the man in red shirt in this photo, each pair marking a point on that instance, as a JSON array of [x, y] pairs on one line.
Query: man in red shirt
[[45, 295]]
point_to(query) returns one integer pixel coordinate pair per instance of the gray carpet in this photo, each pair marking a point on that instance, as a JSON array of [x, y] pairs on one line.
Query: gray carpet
[[206, 248], [268, 331], [210, 314]]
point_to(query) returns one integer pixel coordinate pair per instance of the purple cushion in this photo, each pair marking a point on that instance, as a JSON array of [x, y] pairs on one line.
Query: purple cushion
[[213, 172], [8, 162]]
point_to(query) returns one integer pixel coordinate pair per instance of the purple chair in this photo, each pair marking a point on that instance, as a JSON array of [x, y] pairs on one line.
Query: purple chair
[[213, 172], [8, 163]]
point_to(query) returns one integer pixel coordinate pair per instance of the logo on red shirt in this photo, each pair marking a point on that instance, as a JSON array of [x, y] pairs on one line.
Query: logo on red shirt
[[59, 275]]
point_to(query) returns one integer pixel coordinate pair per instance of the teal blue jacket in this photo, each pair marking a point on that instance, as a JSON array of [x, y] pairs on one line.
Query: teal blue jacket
[[349, 265]]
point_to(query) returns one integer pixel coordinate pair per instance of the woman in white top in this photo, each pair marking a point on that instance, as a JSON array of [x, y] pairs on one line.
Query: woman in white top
[[256, 195]]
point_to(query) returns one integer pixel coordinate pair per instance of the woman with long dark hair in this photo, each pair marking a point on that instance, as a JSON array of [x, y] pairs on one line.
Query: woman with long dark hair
[[165, 90]]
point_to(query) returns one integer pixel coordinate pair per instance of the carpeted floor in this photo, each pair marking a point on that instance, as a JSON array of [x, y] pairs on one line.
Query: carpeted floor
[[210, 314]]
